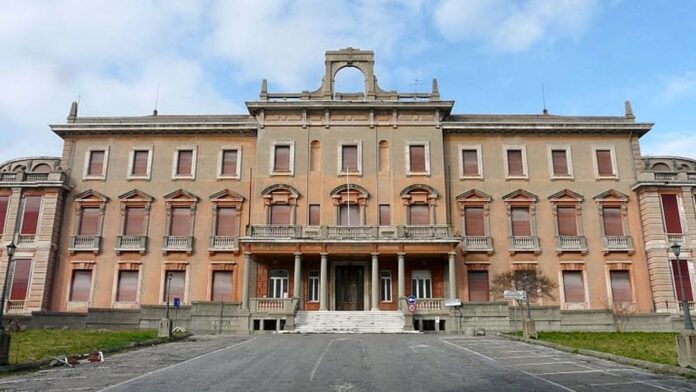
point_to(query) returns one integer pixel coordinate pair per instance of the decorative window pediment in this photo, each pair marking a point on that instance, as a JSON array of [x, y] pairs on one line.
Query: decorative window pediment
[[353, 194], [611, 195], [419, 194], [473, 196], [520, 195], [227, 198], [182, 196], [136, 196], [566, 195], [90, 197], [280, 194]]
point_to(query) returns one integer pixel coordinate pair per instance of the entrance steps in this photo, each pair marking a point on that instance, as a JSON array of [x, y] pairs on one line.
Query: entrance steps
[[350, 322]]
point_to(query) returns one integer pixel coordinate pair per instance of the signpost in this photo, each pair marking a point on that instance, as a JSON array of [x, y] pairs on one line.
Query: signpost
[[411, 308], [411, 299], [516, 295]]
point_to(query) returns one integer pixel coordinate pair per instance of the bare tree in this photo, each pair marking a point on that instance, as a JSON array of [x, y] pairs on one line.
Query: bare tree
[[533, 282]]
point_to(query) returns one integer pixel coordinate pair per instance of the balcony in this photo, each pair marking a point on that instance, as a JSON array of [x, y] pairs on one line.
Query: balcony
[[273, 305], [275, 231], [32, 177], [571, 243], [477, 244], [427, 306], [177, 243], [85, 243], [223, 243], [427, 232], [353, 232], [131, 243], [679, 177], [26, 239], [524, 244], [675, 238], [621, 243], [295, 232], [15, 305]]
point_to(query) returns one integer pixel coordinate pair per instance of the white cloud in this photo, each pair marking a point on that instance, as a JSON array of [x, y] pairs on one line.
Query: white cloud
[[679, 86], [682, 144]]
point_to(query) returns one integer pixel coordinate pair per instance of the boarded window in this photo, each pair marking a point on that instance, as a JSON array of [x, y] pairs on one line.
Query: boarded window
[[4, 200], [620, 286], [474, 221], [478, 286], [418, 214], [314, 216], [566, 221], [222, 286], [521, 225], [573, 287], [174, 287], [96, 163], [281, 162], [184, 163], [417, 159], [515, 165], [227, 222], [229, 163], [140, 158], [181, 220], [135, 221], [20, 279], [559, 159], [127, 290], [604, 165], [470, 163], [384, 215], [349, 158], [613, 224], [670, 210], [89, 221], [685, 280], [30, 217], [315, 156], [81, 285], [383, 156], [280, 214], [350, 215]]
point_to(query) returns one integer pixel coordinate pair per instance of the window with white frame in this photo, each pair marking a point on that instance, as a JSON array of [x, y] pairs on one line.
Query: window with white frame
[[605, 162], [470, 161], [184, 163], [515, 161], [174, 286], [350, 157], [282, 158], [229, 162], [96, 160], [140, 163], [81, 285], [385, 286], [421, 284], [573, 287], [278, 284], [313, 286], [560, 162], [418, 158]]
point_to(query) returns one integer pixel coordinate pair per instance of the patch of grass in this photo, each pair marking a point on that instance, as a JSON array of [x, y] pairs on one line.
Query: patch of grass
[[658, 347], [37, 344]]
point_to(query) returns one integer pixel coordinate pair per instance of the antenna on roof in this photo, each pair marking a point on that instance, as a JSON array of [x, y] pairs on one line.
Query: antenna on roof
[[543, 98], [415, 84], [154, 112]]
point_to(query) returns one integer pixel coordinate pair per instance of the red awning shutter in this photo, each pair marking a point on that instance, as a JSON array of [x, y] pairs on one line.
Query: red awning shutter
[[349, 158], [127, 286], [314, 216], [521, 226], [96, 163], [81, 285], [620, 286], [89, 221], [470, 163], [560, 162], [185, 163], [384, 215], [222, 286], [417, 158], [515, 165], [135, 221], [670, 209], [474, 221], [418, 214], [566, 221], [20, 279], [180, 221], [280, 214], [282, 159], [478, 286], [229, 163], [30, 218], [573, 287], [604, 166], [613, 224], [685, 279], [227, 222], [140, 159], [4, 200]]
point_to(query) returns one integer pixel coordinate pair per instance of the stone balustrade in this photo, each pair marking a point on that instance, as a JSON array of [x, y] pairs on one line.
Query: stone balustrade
[[571, 243], [174, 243], [622, 243], [477, 244], [350, 232], [32, 177], [81, 243], [223, 243], [273, 305], [675, 238], [524, 244], [680, 177], [131, 243]]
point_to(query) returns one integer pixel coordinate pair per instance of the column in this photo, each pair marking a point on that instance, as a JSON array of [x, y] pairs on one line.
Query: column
[[375, 281], [402, 278], [297, 282], [452, 276], [323, 283], [245, 280]]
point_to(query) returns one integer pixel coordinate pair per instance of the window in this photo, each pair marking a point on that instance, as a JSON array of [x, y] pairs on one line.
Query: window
[[30, 216], [140, 163], [418, 214], [184, 163], [313, 294], [385, 286], [282, 159], [349, 159], [314, 216], [560, 163], [566, 221], [96, 160], [134, 224], [470, 162], [613, 223], [520, 219], [181, 221], [20, 280], [670, 213], [384, 215], [4, 201], [383, 156], [478, 286], [174, 287], [227, 222], [280, 214], [315, 156], [474, 223], [89, 221], [573, 287], [222, 286], [278, 284], [81, 285], [516, 161], [620, 286], [127, 289], [229, 162], [417, 156], [685, 279], [421, 284], [605, 165], [349, 215]]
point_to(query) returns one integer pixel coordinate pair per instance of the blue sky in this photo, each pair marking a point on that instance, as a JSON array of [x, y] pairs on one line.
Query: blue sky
[[490, 56]]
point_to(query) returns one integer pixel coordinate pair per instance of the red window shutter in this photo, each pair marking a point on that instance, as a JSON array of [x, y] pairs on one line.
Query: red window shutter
[[573, 287], [567, 221], [176, 286], [670, 209], [4, 200], [81, 285], [349, 158], [227, 222], [620, 286], [418, 214], [282, 159], [222, 286], [521, 225], [613, 224], [350, 215], [89, 221], [685, 280], [560, 162], [417, 158], [384, 215], [30, 217], [478, 286], [604, 166], [96, 163], [314, 216], [20, 279], [470, 163], [180, 221], [280, 214], [135, 221], [474, 221], [515, 165], [127, 290], [184, 163], [140, 159], [229, 163]]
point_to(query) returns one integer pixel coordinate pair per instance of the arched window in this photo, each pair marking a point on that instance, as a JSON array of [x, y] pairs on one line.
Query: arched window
[[383, 156], [661, 167], [42, 168], [420, 201], [280, 201], [315, 156], [350, 202], [349, 82]]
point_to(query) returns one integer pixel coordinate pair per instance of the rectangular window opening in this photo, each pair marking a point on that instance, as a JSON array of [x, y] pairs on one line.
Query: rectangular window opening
[[417, 158], [222, 286]]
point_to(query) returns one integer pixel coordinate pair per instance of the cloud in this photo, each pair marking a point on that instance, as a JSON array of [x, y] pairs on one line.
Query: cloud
[[681, 144], [512, 26], [679, 86]]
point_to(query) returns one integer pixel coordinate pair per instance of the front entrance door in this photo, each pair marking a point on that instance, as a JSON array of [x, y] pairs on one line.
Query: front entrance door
[[349, 287]]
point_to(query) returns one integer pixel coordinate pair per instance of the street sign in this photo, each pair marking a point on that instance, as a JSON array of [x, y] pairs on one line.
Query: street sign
[[411, 308], [518, 295], [177, 302], [411, 299], [453, 302]]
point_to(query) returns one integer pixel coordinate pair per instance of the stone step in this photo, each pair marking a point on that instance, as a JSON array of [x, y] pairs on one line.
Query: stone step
[[349, 322]]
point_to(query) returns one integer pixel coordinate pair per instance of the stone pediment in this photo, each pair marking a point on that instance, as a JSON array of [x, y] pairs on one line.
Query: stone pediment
[[181, 195], [226, 195], [91, 195], [474, 195], [136, 195], [566, 195], [520, 195], [611, 195]]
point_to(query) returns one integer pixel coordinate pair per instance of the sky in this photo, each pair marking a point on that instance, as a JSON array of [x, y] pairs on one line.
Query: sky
[[123, 58]]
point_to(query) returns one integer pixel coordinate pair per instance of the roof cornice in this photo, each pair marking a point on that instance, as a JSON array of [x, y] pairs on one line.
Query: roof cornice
[[255, 106], [561, 126], [248, 127]]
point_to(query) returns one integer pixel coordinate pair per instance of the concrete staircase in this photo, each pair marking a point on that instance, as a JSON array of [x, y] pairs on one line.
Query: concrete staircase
[[349, 322]]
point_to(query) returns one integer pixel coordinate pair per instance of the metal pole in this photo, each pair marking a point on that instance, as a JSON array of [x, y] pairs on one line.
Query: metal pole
[[169, 286], [4, 290], [688, 324]]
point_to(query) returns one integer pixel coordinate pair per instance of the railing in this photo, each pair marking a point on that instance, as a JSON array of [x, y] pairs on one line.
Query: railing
[[349, 232], [177, 243], [36, 177], [666, 176], [691, 176], [32, 177], [134, 243], [618, 243], [274, 231], [477, 243], [524, 243], [85, 243], [14, 304], [8, 177], [26, 239], [426, 305], [427, 232], [220, 242], [352, 231], [571, 242], [273, 305], [672, 238]]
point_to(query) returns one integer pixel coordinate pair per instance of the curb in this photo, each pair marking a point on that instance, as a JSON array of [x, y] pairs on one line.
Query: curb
[[46, 362], [655, 367]]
